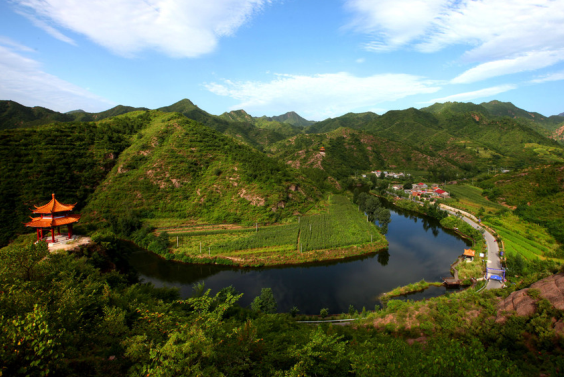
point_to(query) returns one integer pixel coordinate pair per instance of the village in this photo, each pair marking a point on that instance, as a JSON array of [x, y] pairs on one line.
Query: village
[[420, 191]]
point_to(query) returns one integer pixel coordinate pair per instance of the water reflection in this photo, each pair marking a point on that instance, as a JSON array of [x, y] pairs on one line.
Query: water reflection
[[414, 253]]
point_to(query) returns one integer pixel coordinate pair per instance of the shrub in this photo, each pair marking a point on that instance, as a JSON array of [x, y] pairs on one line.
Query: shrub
[[265, 302]]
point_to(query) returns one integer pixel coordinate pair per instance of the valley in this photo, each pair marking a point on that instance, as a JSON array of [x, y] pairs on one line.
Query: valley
[[236, 203]]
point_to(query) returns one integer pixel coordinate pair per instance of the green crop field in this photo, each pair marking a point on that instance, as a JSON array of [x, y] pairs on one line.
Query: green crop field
[[521, 237], [341, 227], [470, 198]]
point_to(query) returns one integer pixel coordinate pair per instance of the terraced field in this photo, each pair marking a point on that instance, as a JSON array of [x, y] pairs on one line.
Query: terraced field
[[342, 230], [470, 198]]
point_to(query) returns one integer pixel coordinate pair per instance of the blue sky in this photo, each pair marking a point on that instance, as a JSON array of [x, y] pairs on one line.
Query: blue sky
[[320, 58]]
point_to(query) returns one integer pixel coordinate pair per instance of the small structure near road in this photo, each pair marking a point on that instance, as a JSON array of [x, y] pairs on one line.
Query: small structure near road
[[469, 254], [495, 274]]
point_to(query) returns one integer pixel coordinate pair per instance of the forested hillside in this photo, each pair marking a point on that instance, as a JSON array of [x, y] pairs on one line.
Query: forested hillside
[[178, 168], [68, 159], [287, 129], [350, 120], [348, 152], [14, 115], [536, 194]]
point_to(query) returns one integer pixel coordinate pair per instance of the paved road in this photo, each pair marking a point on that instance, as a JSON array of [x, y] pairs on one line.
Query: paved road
[[493, 251]]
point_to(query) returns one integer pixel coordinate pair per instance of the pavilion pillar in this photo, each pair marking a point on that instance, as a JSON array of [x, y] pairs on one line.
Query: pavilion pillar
[[70, 230], [58, 231], [37, 229], [41, 233], [52, 234]]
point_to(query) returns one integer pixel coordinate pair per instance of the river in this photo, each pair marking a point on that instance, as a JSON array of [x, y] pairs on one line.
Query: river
[[419, 249]]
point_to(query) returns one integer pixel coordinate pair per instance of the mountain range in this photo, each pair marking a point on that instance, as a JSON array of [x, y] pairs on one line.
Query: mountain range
[[179, 162]]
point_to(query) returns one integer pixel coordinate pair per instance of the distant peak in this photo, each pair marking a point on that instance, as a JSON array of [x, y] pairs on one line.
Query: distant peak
[[185, 100], [241, 111]]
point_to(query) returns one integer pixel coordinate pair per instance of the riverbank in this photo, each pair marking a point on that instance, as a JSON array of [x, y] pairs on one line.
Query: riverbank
[[261, 258], [407, 289], [341, 232]]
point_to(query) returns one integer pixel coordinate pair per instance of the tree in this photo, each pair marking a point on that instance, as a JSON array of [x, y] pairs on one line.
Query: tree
[[265, 302], [408, 186]]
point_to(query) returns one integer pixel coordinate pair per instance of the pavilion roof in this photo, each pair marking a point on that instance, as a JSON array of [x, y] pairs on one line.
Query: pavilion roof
[[48, 222], [53, 206], [469, 252]]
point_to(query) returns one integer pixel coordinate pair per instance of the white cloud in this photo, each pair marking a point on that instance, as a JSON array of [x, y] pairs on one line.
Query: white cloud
[[178, 28], [393, 23], [360, 60], [529, 61], [504, 32], [22, 80], [47, 28], [557, 76], [14, 45], [320, 96], [469, 96]]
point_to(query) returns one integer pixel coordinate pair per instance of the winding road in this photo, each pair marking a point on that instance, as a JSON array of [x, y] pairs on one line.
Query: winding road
[[491, 244]]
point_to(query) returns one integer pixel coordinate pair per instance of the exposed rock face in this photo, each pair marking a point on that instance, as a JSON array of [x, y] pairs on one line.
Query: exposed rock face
[[552, 289], [520, 303]]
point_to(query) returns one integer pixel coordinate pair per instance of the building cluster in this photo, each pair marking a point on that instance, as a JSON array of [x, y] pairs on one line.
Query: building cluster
[[388, 174], [422, 190]]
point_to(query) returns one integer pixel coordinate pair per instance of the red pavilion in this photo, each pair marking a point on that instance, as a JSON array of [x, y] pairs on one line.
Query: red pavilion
[[53, 215]]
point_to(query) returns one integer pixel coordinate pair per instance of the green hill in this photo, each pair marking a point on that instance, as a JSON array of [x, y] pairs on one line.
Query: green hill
[[83, 116], [68, 159], [349, 120], [455, 107], [455, 131], [179, 169], [540, 123], [281, 128], [290, 117], [14, 115], [348, 151], [536, 193]]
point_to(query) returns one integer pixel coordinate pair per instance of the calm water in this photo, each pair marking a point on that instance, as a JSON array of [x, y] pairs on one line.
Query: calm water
[[419, 249]]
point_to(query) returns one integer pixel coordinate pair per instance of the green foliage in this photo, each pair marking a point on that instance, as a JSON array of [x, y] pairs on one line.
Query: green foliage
[[463, 227], [22, 263], [294, 311], [69, 159], [172, 172], [72, 317], [322, 355], [373, 208], [30, 344], [265, 303], [324, 312]]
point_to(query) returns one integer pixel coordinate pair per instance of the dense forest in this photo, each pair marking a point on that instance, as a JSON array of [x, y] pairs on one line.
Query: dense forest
[[84, 313]]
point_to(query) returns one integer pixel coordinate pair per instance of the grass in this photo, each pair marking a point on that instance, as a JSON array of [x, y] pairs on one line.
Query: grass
[[470, 199], [410, 288], [521, 237], [474, 269], [340, 232]]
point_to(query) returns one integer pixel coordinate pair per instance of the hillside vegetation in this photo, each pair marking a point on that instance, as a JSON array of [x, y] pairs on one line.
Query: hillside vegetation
[[536, 193], [68, 159], [348, 152], [177, 168]]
